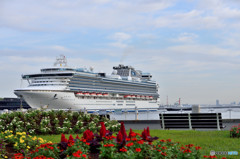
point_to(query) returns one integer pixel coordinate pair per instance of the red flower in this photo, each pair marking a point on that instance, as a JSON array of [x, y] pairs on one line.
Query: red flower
[[76, 155], [187, 151], [148, 132], [197, 147], [63, 138], [102, 130], [163, 140], [109, 137], [140, 142], [88, 135], [169, 140], [144, 135], [164, 147], [84, 156], [164, 153], [109, 145], [123, 150], [18, 156], [131, 134], [134, 139], [138, 149], [224, 158], [119, 137], [70, 140], [129, 144], [123, 131], [159, 150], [189, 145], [77, 137], [210, 156]]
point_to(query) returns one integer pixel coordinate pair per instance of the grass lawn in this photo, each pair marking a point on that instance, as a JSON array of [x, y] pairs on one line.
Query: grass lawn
[[208, 140]]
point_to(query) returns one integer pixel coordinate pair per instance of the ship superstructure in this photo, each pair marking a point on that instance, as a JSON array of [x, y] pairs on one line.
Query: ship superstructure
[[63, 87]]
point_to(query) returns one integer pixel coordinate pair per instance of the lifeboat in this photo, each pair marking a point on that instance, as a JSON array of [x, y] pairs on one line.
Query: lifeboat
[[151, 97], [127, 96], [138, 96], [147, 97], [105, 94], [93, 94], [133, 96], [99, 94], [86, 93], [79, 94], [142, 97]]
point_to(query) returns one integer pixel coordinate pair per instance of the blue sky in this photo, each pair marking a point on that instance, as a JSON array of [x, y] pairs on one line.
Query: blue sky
[[190, 46]]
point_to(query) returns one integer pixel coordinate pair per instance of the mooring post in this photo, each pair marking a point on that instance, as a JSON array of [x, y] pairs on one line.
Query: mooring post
[[125, 112], [163, 125], [218, 126], [136, 113], [189, 121]]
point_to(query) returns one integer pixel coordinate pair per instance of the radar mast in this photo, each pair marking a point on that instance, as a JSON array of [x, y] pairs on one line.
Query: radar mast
[[61, 60]]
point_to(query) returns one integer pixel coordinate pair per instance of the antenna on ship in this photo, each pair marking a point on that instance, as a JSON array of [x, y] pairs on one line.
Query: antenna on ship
[[61, 60], [167, 100]]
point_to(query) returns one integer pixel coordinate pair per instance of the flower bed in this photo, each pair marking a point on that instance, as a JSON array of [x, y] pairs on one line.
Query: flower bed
[[235, 131], [53, 122], [105, 145], [19, 142]]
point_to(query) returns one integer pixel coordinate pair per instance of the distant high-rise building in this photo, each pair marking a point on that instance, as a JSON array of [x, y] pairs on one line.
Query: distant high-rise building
[[233, 103], [217, 102]]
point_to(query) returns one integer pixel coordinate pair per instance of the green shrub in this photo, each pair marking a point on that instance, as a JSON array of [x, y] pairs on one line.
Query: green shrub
[[53, 122]]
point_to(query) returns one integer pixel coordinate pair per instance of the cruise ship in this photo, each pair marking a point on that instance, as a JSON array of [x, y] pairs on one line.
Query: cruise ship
[[63, 87]]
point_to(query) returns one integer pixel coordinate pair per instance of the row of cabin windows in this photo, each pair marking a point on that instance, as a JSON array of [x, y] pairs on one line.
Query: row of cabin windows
[[48, 81], [47, 85]]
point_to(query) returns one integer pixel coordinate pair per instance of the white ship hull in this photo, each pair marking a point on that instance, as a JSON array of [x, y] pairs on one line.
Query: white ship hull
[[66, 100], [79, 88]]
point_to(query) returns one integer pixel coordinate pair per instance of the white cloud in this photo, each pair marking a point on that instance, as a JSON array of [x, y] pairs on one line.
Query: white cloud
[[195, 19], [60, 48], [67, 15], [120, 36], [186, 38], [118, 45], [203, 49], [121, 39]]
